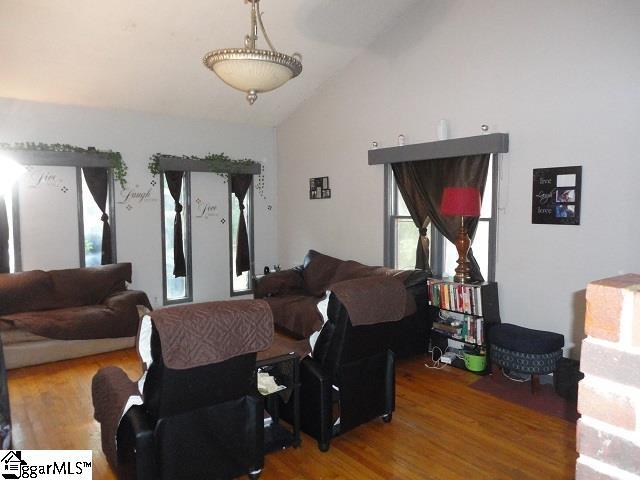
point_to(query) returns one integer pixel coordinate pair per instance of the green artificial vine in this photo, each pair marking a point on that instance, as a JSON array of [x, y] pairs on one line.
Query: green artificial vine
[[119, 168], [118, 165], [218, 163]]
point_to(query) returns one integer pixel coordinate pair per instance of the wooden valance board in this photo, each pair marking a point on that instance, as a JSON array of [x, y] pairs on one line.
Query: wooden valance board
[[60, 159], [171, 162], [456, 147]]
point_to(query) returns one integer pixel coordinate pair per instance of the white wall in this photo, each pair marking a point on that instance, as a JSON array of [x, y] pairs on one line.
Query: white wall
[[49, 223], [560, 77]]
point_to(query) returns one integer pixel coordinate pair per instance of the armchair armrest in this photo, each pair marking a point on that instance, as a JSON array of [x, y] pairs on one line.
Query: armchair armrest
[[136, 458], [127, 298], [316, 402], [278, 283]]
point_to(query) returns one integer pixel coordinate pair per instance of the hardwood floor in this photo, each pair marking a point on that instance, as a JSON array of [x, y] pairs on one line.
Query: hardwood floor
[[441, 429]]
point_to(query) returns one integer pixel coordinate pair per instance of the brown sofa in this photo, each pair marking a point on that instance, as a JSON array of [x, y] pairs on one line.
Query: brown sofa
[[59, 314], [293, 296]]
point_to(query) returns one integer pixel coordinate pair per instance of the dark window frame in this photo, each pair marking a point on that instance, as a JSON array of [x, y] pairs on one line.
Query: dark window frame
[[186, 210]]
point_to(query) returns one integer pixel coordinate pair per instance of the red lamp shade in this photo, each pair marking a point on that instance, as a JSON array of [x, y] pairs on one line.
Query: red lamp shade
[[464, 201]]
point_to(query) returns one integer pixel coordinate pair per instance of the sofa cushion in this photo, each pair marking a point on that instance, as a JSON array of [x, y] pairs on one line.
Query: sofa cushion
[[296, 315], [25, 291], [75, 287], [285, 282], [318, 272], [15, 336], [78, 323]]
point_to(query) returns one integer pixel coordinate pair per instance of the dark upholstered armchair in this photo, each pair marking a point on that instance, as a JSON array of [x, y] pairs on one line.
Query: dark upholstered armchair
[[199, 417], [350, 376]]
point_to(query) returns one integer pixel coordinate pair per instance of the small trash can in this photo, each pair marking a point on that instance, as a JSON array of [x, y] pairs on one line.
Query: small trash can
[[566, 378]]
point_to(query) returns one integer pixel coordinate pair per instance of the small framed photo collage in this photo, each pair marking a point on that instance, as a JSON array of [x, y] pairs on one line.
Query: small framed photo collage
[[319, 188], [556, 195]]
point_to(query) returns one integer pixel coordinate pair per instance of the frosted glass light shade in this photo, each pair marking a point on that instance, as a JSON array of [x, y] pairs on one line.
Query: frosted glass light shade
[[252, 70]]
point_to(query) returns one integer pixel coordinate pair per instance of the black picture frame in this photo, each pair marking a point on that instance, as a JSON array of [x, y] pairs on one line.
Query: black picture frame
[[556, 195], [319, 188]]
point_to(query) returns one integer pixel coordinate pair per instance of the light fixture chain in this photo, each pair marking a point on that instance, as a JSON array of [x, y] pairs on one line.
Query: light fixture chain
[[264, 32]]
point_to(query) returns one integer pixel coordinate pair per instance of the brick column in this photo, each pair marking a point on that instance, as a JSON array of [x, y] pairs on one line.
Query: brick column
[[609, 395]]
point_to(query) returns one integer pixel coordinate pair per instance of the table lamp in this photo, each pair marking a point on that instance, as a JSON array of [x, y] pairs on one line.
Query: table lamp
[[463, 201]]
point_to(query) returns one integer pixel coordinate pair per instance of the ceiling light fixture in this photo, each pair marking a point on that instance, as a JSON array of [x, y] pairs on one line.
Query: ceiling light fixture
[[252, 70]]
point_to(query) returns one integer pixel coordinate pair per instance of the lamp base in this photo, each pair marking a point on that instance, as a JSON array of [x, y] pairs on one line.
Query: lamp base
[[462, 243]]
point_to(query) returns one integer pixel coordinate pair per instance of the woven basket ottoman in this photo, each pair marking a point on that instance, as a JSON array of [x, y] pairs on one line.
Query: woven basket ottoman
[[525, 350]]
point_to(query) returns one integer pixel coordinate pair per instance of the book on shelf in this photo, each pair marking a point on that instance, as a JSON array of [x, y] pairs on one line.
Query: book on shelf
[[459, 297], [468, 328]]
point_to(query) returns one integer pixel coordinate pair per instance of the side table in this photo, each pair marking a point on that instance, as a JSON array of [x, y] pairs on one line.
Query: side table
[[286, 371]]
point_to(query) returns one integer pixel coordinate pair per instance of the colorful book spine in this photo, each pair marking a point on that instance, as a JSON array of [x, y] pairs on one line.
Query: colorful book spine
[[479, 302]]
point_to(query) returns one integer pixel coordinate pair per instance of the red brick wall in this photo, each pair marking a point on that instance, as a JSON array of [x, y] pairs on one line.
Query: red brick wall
[[609, 395]]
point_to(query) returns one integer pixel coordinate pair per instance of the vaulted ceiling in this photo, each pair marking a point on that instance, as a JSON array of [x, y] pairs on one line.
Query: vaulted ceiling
[[146, 55]]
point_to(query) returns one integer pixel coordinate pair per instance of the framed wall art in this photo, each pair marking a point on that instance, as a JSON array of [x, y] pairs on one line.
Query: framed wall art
[[556, 195], [319, 188]]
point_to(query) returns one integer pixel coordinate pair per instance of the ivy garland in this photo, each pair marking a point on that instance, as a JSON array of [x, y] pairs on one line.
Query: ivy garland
[[216, 162], [117, 164]]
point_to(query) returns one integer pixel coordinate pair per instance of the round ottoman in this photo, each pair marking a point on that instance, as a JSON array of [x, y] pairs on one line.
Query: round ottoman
[[525, 350]]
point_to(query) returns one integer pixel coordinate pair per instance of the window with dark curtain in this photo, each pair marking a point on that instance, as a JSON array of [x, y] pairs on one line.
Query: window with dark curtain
[[239, 187], [421, 184], [177, 274], [174, 183], [97, 181]]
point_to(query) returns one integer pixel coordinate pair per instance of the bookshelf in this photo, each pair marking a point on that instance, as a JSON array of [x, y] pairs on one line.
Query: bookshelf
[[464, 313]]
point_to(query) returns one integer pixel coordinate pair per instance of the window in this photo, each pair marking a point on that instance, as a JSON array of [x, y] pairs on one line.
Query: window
[[10, 260], [401, 234], [90, 222], [240, 285], [13, 222], [176, 289]]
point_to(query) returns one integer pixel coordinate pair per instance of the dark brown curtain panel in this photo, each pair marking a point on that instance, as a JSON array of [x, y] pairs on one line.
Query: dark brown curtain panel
[[421, 184], [98, 182], [5, 266], [418, 210], [174, 182], [240, 186]]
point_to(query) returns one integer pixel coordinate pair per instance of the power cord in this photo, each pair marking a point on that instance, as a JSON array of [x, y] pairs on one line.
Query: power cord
[[437, 363]]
